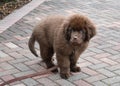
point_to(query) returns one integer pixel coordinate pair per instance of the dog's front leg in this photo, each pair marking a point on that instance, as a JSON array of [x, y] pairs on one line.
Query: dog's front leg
[[64, 65], [73, 66]]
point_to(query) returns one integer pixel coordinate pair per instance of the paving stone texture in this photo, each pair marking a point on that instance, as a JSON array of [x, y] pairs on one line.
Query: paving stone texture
[[100, 63]]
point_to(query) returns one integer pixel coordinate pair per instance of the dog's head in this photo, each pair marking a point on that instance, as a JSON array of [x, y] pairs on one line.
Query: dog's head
[[78, 29]]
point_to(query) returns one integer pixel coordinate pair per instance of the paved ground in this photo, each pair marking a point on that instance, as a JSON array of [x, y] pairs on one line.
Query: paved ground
[[100, 63]]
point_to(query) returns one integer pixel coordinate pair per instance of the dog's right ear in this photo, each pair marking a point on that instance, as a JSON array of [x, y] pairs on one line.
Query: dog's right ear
[[67, 31]]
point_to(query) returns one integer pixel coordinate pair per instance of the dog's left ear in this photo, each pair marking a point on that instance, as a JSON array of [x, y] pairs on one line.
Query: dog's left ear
[[90, 32], [67, 31]]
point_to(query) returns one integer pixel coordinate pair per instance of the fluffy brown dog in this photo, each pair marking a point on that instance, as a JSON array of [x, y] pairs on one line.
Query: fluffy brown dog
[[68, 37]]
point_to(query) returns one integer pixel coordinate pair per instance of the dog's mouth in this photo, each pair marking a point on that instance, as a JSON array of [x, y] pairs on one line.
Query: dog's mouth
[[75, 43]]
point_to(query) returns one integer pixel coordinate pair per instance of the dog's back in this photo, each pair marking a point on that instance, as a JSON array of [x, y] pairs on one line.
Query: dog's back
[[46, 29], [44, 32]]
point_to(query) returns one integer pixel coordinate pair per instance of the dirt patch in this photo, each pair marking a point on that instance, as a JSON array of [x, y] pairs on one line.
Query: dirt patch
[[8, 6]]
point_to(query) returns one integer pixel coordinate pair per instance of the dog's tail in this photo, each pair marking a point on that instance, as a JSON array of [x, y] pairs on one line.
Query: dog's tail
[[31, 44]]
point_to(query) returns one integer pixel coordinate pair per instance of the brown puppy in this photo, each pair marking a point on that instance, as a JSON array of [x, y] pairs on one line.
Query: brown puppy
[[68, 37]]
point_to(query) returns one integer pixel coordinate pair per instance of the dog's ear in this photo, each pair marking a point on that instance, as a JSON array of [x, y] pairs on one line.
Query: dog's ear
[[67, 31], [90, 32]]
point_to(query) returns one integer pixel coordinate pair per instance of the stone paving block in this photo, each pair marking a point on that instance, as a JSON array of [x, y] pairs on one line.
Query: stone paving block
[[112, 80], [23, 73], [19, 60], [118, 60], [8, 72], [117, 47], [111, 51], [2, 54], [5, 36], [113, 67], [21, 67], [95, 78], [80, 60], [78, 76], [104, 46], [93, 44], [23, 45], [102, 55], [30, 56], [14, 28], [5, 59], [84, 64], [24, 51], [19, 37], [37, 67], [19, 42], [54, 76], [1, 38], [63, 82], [28, 30], [96, 50], [117, 71], [2, 46], [19, 85], [116, 84], [9, 33], [30, 82], [89, 71], [15, 55], [112, 42], [82, 83], [106, 72], [39, 85], [100, 83], [92, 60], [8, 50], [115, 57], [98, 66], [11, 45], [6, 66], [7, 77], [109, 61], [32, 62], [46, 82], [1, 69], [87, 54]]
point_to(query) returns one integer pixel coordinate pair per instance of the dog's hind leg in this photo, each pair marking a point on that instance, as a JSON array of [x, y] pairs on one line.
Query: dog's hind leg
[[46, 55]]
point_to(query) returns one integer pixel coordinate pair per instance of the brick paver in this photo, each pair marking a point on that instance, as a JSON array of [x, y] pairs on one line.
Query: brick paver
[[100, 63]]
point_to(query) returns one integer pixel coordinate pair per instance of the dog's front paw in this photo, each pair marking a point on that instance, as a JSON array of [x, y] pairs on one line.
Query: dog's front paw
[[75, 69], [65, 75]]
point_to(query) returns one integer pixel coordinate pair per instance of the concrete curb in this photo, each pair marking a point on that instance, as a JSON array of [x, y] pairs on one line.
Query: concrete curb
[[18, 14]]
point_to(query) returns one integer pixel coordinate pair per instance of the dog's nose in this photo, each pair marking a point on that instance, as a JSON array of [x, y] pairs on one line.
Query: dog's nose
[[75, 37]]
